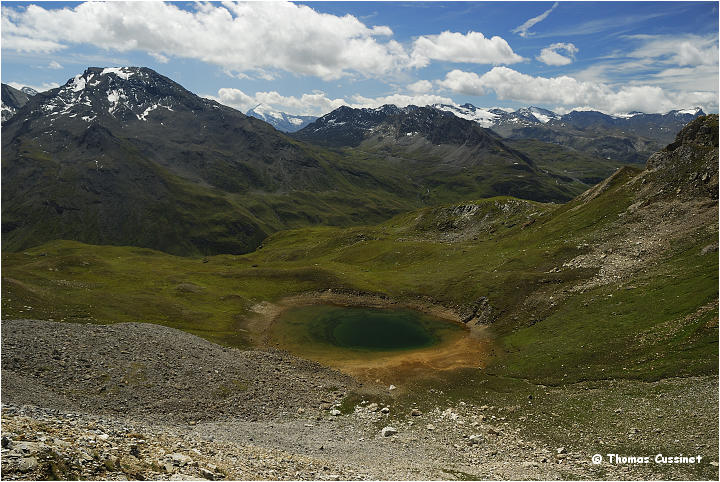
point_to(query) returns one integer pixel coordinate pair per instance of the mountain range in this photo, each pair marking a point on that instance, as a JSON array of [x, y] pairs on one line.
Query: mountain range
[[630, 138], [128, 156]]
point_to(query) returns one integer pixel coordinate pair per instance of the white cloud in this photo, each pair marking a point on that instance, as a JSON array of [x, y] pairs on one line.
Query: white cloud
[[316, 103], [159, 57], [551, 56], [400, 100], [683, 63], [702, 77], [240, 37], [420, 87], [468, 83], [472, 47], [509, 84], [55, 65], [39, 88], [522, 30], [686, 50]]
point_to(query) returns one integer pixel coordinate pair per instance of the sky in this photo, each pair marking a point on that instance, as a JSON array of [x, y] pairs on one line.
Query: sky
[[308, 58]]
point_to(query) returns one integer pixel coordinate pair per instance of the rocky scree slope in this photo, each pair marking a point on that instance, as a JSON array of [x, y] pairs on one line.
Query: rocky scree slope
[[156, 373], [304, 426]]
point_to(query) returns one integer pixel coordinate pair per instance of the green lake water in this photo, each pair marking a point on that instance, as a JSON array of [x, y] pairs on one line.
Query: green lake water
[[360, 329]]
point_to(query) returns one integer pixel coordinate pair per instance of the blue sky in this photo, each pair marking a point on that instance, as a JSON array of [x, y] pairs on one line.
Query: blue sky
[[312, 57]]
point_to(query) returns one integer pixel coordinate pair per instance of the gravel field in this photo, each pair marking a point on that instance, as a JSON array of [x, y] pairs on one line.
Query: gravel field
[[141, 401]]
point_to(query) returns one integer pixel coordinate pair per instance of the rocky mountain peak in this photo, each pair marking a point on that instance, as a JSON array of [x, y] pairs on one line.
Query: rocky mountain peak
[[349, 126], [122, 94]]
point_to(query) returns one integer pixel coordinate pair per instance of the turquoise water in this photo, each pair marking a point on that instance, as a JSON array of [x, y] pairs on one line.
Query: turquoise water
[[358, 328]]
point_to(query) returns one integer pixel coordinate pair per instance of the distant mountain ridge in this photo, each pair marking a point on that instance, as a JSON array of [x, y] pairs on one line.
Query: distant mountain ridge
[[453, 157], [630, 138], [280, 120], [528, 116]]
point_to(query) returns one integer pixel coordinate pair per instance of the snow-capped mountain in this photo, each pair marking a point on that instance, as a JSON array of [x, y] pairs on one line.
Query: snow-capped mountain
[[626, 138], [448, 155], [119, 93], [537, 116], [280, 120]]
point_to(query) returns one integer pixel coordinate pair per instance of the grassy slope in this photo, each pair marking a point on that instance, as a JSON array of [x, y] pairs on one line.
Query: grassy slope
[[647, 329], [140, 203]]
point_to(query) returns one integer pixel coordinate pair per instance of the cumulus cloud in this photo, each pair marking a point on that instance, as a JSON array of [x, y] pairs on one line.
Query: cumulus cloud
[[551, 56], [701, 77], [472, 47], [316, 103], [522, 30], [159, 57], [468, 83], [240, 37], [400, 100], [420, 87], [55, 65], [508, 84]]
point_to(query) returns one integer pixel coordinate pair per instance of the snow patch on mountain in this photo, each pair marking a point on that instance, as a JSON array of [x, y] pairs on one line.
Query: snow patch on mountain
[[484, 117], [123, 72], [78, 83], [694, 111]]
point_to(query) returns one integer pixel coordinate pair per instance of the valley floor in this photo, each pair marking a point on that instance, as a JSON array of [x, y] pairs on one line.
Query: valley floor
[[131, 401]]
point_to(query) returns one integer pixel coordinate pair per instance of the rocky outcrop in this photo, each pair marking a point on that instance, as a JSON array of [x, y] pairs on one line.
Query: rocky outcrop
[[689, 166]]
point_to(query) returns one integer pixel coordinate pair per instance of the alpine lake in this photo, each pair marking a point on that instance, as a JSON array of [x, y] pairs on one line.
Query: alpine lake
[[376, 342]]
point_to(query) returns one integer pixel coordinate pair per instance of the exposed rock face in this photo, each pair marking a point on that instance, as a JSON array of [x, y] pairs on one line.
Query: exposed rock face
[[12, 100], [688, 166]]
